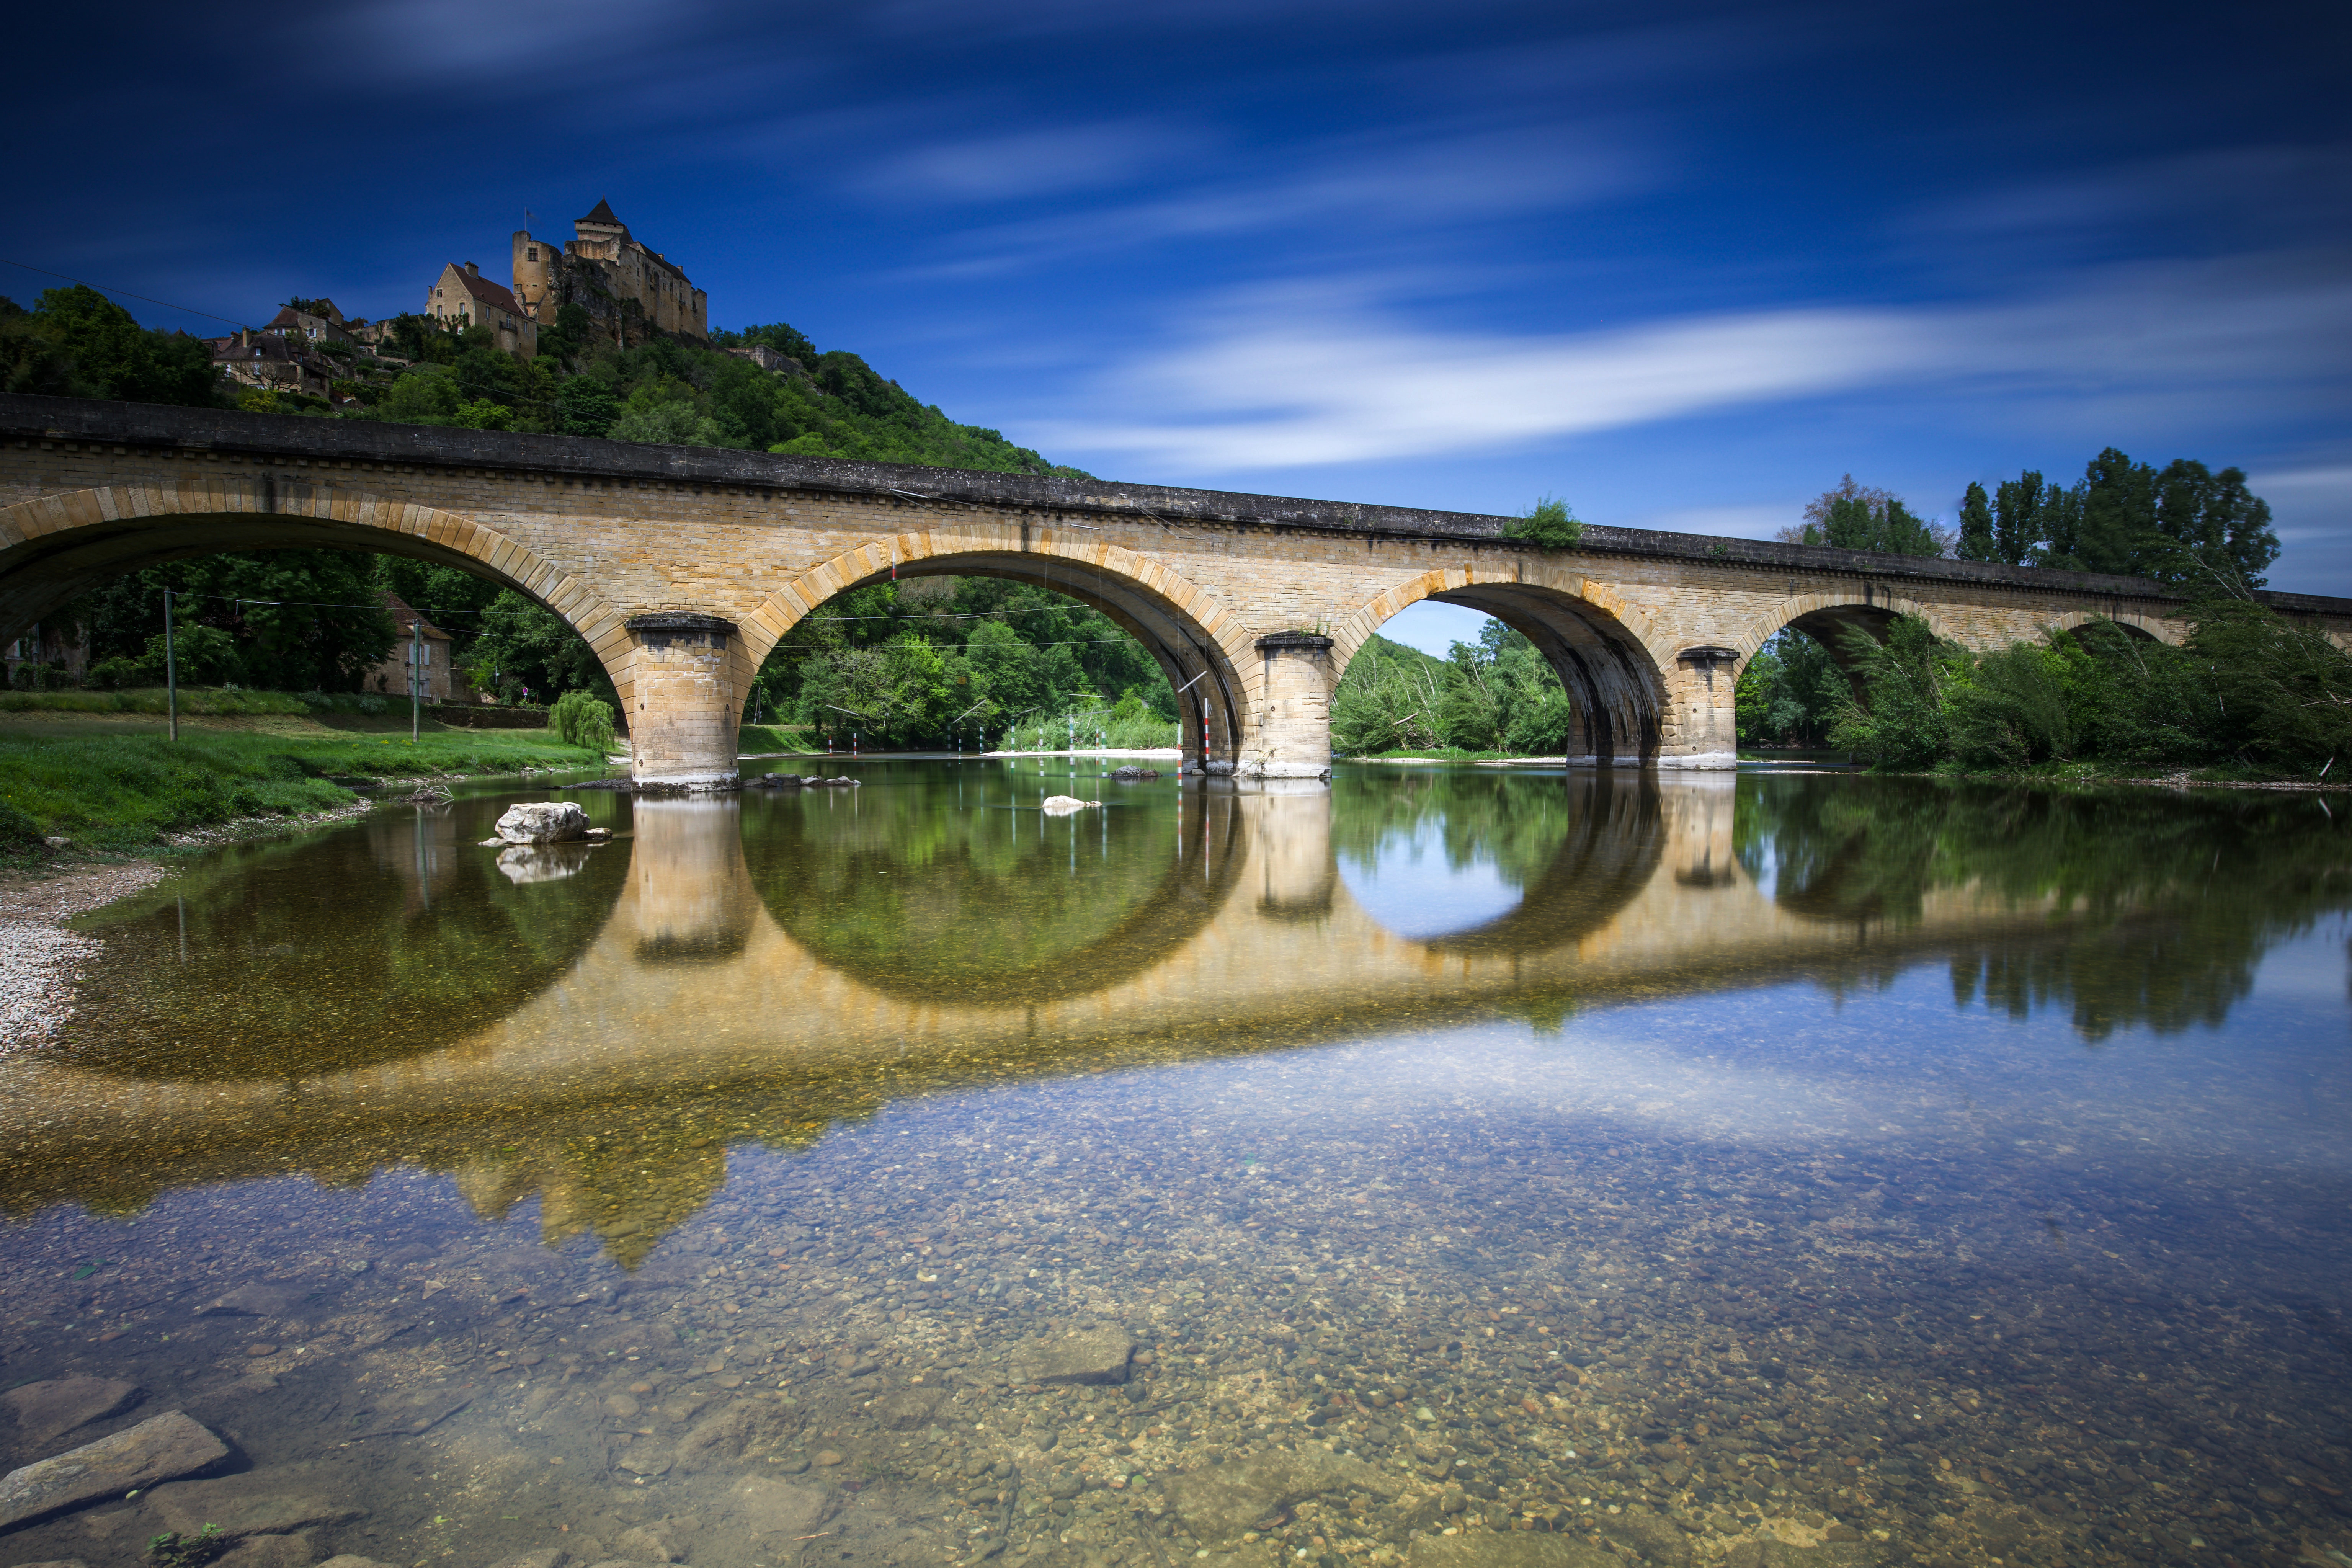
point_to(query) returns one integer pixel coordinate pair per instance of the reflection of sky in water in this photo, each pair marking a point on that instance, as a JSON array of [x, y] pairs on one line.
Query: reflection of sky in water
[[1413, 888]]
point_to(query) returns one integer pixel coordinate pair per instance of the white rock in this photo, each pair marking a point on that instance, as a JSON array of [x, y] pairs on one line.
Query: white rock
[[543, 822], [1063, 804]]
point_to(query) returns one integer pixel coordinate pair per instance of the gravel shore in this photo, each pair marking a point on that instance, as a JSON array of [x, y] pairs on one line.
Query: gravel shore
[[39, 961]]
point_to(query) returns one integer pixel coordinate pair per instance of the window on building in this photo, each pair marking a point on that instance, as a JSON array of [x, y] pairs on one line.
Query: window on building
[[532, 251]]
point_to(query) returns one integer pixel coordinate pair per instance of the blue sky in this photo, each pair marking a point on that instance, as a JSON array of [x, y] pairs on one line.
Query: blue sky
[[1682, 265]]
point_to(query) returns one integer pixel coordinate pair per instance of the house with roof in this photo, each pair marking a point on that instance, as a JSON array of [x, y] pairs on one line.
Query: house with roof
[[461, 295], [391, 677]]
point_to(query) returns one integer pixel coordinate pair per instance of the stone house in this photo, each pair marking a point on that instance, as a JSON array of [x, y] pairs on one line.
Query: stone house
[[391, 677], [462, 295], [252, 357]]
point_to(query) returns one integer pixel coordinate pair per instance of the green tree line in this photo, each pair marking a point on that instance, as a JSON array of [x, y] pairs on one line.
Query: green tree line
[[2249, 690]]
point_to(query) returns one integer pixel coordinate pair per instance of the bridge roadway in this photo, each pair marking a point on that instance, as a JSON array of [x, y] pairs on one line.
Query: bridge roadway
[[694, 1017], [683, 566]]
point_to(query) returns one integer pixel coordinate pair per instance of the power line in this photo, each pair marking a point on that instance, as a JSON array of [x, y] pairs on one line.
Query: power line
[[189, 310]]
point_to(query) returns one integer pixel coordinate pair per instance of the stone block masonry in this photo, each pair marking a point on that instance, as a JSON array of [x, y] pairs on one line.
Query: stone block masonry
[[683, 566]]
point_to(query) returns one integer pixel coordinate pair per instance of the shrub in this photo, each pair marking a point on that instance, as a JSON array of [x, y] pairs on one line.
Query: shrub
[[582, 720], [1551, 525]]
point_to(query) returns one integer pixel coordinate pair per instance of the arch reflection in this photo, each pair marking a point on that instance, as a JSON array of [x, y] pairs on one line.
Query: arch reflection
[[949, 886], [289, 959], [1495, 863]]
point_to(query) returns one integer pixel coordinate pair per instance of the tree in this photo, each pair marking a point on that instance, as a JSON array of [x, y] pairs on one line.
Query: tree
[[1977, 531], [294, 620], [2212, 532], [2018, 522], [81, 343], [1791, 692], [1854, 516]]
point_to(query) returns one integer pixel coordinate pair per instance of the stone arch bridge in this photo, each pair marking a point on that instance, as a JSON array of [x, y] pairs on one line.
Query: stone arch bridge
[[683, 566]]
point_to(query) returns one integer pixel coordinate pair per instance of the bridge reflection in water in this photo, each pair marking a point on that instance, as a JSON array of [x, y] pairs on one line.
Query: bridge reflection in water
[[596, 1028]]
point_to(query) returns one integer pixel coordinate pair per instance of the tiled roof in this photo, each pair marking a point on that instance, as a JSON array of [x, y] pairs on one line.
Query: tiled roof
[[488, 292]]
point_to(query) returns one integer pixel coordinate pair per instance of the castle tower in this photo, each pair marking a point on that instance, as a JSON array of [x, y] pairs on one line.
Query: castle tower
[[535, 265]]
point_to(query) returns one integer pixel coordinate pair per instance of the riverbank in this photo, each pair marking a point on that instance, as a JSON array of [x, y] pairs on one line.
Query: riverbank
[[40, 959], [106, 785]]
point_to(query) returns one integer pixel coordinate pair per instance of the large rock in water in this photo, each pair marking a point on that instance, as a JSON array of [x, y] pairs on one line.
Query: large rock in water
[[33, 1415], [1218, 1503], [158, 1449], [1094, 1355], [543, 822]]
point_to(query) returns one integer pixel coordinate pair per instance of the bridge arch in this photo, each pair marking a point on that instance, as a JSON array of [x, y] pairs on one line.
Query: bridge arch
[[1823, 616], [1202, 647], [2149, 626], [1606, 651], [57, 546]]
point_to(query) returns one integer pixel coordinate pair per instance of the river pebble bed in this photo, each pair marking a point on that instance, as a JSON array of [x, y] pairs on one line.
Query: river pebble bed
[[2021, 1250], [1450, 1299]]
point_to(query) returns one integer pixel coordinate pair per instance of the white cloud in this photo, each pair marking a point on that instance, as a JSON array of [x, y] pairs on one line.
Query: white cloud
[[1409, 181], [1030, 162], [1292, 379]]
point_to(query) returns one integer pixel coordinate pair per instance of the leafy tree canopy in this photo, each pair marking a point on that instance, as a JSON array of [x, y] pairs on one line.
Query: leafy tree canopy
[[77, 342]]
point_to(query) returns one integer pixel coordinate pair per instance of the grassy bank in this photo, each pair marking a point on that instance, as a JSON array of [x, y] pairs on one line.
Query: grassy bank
[[127, 791]]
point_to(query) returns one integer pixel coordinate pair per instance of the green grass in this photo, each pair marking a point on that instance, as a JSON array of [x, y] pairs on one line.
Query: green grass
[[757, 738], [121, 793], [192, 700]]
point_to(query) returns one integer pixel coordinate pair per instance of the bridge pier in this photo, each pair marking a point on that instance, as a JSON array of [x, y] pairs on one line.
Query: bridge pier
[[1702, 717], [1292, 733], [683, 705]]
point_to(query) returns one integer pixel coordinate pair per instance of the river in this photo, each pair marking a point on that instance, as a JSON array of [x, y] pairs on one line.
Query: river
[[1444, 1166]]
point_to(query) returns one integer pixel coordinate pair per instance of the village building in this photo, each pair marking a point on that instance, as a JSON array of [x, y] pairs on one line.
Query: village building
[[391, 677], [613, 276], [462, 295], [273, 362]]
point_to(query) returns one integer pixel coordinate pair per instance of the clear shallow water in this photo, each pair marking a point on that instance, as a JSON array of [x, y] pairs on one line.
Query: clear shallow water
[[1808, 1169]]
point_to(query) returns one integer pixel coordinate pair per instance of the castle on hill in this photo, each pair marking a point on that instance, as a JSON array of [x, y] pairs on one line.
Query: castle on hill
[[626, 289]]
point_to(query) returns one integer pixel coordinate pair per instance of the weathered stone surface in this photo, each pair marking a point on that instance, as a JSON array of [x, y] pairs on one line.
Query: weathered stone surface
[[543, 822], [1787, 1554], [1218, 1503], [57, 1563], [907, 1409], [778, 1508], [299, 1550], [256, 1300], [702, 536], [650, 1543], [348, 1560], [158, 1449], [1518, 1549], [32, 1415], [545, 1557], [1658, 1540], [1096, 1356], [261, 1502]]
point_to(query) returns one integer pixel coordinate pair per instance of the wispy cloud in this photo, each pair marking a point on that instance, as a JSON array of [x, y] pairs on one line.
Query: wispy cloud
[[1290, 380], [471, 39], [1048, 160], [1396, 183]]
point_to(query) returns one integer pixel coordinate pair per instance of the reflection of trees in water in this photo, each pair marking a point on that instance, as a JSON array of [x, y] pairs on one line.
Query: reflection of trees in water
[[2170, 902], [328, 954], [909, 890], [1576, 849]]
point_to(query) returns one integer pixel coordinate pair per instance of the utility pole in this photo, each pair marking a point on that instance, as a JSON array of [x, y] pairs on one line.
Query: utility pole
[[416, 677], [170, 668]]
